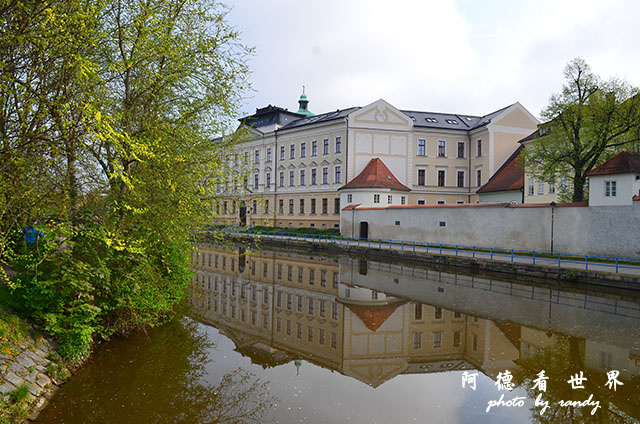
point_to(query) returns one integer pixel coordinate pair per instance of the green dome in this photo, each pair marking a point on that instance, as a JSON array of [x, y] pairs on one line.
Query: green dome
[[304, 103]]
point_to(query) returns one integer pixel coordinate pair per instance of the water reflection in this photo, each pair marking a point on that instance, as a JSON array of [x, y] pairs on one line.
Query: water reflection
[[158, 378], [375, 322]]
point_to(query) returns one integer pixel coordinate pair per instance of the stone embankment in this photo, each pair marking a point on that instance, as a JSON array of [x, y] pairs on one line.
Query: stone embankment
[[30, 371]]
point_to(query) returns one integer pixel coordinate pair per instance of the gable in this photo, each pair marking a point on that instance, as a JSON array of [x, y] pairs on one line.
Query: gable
[[516, 116], [380, 114]]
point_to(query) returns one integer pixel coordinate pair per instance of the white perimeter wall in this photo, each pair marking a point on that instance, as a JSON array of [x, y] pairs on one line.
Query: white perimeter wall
[[578, 229]]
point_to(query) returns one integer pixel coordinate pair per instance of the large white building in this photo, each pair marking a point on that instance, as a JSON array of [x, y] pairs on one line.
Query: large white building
[[298, 161]]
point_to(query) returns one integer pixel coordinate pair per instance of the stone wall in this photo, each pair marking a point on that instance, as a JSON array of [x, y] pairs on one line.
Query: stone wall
[[34, 363], [579, 229]]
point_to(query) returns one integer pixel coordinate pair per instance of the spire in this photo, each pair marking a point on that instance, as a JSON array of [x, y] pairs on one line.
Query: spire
[[304, 103]]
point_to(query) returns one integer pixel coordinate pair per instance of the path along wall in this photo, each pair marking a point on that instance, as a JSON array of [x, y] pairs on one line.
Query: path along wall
[[569, 228]]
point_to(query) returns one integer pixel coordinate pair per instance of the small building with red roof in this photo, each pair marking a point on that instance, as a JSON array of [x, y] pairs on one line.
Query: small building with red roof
[[507, 184], [374, 186], [615, 182]]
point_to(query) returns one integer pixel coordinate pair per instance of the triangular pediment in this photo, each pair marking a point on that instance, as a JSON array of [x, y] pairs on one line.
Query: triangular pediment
[[324, 162], [337, 162], [375, 372], [267, 169], [281, 168], [302, 165], [292, 166], [380, 114], [313, 163]]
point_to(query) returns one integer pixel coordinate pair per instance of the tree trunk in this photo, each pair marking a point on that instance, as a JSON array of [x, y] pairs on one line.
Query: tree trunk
[[578, 187]]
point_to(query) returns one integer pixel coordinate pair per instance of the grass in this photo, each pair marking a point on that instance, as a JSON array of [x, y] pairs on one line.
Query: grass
[[19, 394], [12, 331], [308, 230]]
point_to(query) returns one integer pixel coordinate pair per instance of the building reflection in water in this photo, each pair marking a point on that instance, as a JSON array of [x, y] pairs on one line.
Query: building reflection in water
[[374, 321]]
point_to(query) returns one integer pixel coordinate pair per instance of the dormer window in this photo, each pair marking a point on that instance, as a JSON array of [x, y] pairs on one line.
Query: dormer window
[[452, 122]]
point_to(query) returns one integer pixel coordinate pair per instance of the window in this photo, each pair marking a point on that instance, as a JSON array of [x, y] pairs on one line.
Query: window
[[312, 276], [323, 278], [422, 177], [281, 178], [314, 173], [300, 274], [289, 298], [403, 200], [474, 342], [266, 206], [479, 177], [314, 148], [255, 181], [325, 206], [336, 280], [479, 148], [376, 198], [281, 152], [299, 330], [421, 202], [278, 324], [268, 154], [255, 208], [299, 305], [281, 206], [418, 312], [334, 340], [610, 188], [338, 174], [452, 121], [325, 146], [417, 340], [456, 339], [441, 202], [301, 206], [288, 327], [292, 151], [290, 206], [289, 272], [313, 206], [552, 187], [303, 150], [460, 178], [325, 175], [321, 338], [323, 310], [349, 198], [310, 306], [437, 313], [421, 148], [441, 174], [257, 159], [338, 144], [531, 184], [336, 206], [389, 199], [302, 177], [442, 149], [268, 179], [310, 334], [461, 149], [292, 178], [437, 340], [279, 298], [540, 187]]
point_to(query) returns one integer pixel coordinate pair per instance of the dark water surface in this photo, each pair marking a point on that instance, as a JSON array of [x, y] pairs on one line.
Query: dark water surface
[[292, 338]]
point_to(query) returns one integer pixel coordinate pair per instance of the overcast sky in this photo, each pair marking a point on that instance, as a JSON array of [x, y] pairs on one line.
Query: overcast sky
[[466, 56]]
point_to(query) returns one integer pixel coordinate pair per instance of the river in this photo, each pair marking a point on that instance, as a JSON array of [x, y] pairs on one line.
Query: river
[[290, 337]]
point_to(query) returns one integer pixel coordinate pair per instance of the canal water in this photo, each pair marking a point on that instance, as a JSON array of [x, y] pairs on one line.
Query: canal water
[[289, 337]]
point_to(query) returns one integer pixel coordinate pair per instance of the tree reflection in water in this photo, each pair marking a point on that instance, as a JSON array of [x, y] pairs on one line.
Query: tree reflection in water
[[159, 378], [563, 359]]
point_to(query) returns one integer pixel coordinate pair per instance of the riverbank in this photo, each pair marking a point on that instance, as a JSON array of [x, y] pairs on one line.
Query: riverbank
[[30, 369], [454, 260]]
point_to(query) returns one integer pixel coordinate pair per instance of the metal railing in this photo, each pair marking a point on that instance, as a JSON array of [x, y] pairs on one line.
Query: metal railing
[[613, 264]]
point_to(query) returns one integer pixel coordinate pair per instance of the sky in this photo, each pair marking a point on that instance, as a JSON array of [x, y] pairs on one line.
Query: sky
[[466, 56]]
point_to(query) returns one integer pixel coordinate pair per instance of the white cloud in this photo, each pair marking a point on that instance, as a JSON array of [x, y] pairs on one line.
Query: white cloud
[[468, 56]]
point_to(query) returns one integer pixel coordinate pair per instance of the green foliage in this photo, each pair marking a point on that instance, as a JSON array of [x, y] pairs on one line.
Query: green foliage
[[310, 230], [587, 123], [111, 113], [19, 394]]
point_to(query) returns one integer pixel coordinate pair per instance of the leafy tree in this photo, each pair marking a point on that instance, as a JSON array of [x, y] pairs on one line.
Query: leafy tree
[[111, 117], [586, 124]]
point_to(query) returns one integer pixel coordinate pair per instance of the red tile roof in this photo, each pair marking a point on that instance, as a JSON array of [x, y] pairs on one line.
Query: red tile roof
[[636, 198], [374, 316], [376, 175], [510, 176], [622, 163]]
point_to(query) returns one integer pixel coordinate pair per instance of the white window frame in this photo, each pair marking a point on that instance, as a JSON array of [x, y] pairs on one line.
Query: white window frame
[[443, 153], [424, 147], [610, 188], [376, 198]]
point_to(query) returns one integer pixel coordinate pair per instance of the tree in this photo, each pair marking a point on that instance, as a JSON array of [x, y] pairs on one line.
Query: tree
[[586, 124], [111, 116]]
